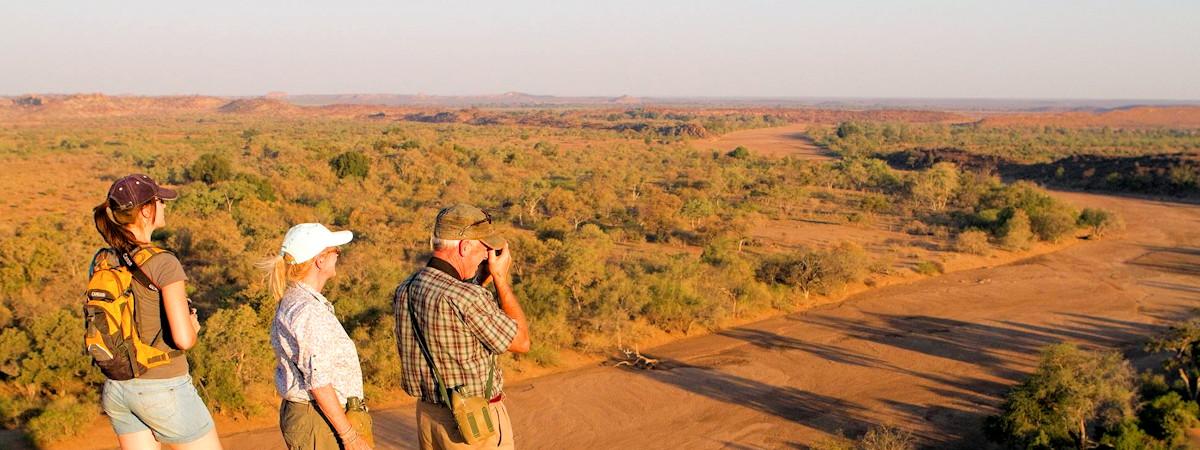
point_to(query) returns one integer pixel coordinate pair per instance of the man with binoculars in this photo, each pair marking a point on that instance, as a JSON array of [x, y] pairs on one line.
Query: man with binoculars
[[450, 329]]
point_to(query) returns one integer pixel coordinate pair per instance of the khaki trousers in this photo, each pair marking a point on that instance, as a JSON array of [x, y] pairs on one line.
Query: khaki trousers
[[304, 428], [437, 430]]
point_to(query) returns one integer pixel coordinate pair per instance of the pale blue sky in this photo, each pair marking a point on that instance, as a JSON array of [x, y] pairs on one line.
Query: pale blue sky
[[1147, 49]]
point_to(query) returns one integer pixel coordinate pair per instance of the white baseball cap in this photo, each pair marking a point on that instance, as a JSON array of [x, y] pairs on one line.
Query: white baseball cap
[[308, 240]]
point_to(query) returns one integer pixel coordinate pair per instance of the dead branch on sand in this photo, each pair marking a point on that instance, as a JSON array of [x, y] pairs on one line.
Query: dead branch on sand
[[635, 359]]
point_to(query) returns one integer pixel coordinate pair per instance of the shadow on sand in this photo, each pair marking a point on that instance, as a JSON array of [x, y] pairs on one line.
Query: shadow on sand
[[990, 346]]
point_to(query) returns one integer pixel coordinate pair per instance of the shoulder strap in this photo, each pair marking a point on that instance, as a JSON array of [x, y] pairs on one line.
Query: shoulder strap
[[412, 317], [134, 260], [487, 393]]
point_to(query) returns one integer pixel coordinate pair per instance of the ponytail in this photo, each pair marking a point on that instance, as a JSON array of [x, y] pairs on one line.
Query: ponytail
[[111, 226], [280, 270]]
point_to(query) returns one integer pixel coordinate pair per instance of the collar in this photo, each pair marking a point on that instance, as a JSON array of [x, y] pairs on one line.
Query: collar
[[444, 266], [317, 295]]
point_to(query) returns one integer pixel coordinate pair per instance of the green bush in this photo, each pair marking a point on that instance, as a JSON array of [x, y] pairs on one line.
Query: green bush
[[261, 186], [197, 200], [350, 164], [231, 355], [820, 271], [1015, 233], [543, 355], [675, 304], [972, 241], [1100, 221], [886, 437], [928, 268], [739, 153], [879, 437], [1053, 223], [1127, 436], [554, 228], [1069, 400], [210, 168], [63, 417], [1168, 417]]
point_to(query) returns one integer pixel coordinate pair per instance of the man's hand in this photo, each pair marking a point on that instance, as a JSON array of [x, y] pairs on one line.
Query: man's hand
[[499, 264]]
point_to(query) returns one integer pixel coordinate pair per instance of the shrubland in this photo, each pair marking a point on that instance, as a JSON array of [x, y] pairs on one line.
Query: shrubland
[[617, 235], [1023, 143], [1137, 160]]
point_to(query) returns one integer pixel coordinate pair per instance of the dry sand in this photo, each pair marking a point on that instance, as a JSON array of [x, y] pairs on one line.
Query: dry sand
[[790, 140]]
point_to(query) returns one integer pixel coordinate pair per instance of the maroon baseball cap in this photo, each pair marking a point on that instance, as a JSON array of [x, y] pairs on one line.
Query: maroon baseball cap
[[137, 189]]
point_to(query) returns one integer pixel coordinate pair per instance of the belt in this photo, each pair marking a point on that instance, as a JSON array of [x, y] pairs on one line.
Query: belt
[[352, 403], [495, 399]]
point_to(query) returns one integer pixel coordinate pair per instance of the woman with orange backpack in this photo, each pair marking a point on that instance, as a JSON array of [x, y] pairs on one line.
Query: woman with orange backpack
[[149, 396]]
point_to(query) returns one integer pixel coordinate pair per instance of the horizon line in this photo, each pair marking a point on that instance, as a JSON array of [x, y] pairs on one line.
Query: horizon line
[[284, 94]]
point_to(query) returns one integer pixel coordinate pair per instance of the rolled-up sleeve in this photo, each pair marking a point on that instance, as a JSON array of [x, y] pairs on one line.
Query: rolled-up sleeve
[[487, 321]]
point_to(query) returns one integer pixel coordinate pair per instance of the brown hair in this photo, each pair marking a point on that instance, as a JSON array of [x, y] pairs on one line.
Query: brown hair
[[282, 269], [113, 224]]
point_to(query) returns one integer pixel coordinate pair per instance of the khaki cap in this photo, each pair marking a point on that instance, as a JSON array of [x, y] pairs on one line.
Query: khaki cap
[[465, 222]]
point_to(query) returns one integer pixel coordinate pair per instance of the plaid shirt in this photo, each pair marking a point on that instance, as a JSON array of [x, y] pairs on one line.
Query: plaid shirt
[[463, 326]]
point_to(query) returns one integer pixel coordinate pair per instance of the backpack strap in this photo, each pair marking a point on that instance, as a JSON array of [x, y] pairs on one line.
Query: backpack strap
[[133, 261]]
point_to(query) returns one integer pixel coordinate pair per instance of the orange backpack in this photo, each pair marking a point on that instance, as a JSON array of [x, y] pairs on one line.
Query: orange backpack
[[111, 317]]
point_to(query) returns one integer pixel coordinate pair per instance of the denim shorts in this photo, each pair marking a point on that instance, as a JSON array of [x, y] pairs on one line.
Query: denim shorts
[[170, 408]]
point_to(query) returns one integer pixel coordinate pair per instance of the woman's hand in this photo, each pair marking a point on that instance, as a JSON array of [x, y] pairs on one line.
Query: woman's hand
[[195, 321], [335, 413], [352, 441]]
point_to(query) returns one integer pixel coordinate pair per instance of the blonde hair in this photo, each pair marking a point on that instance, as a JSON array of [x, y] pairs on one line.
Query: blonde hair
[[281, 269]]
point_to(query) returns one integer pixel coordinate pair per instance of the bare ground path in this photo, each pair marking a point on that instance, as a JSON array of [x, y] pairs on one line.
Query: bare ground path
[[790, 140], [933, 356]]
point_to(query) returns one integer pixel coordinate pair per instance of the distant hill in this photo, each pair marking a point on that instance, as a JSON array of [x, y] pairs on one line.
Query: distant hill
[[1127, 117], [105, 105], [515, 99], [478, 110], [507, 99], [259, 105]]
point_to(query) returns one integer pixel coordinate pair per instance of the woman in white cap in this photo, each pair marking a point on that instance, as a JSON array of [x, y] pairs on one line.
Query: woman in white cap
[[317, 372]]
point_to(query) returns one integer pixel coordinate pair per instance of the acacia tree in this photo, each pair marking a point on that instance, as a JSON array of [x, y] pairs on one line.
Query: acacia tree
[[566, 204], [1183, 342], [1100, 221], [935, 187], [1073, 395]]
